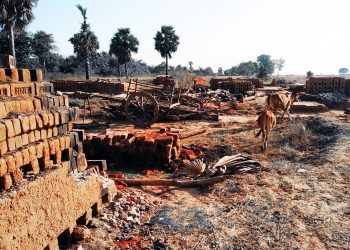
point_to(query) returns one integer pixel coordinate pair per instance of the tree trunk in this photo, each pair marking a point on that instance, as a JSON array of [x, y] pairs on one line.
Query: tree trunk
[[12, 45], [126, 71], [166, 64], [87, 66]]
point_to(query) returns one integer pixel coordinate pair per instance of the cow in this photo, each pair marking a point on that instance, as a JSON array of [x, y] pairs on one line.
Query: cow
[[266, 121], [281, 101]]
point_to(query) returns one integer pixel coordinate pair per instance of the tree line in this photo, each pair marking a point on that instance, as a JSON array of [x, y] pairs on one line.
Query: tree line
[[38, 50]]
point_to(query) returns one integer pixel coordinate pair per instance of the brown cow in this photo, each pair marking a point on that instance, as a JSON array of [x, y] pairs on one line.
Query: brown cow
[[281, 101], [266, 121]]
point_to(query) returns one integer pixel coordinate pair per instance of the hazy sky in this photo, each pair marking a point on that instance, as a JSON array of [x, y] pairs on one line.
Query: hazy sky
[[308, 34]]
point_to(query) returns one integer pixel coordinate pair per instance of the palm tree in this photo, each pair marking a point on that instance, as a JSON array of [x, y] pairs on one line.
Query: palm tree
[[14, 16], [166, 42], [85, 42], [122, 45]]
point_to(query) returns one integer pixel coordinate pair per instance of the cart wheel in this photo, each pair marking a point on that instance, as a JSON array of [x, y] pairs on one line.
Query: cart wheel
[[141, 109], [159, 95]]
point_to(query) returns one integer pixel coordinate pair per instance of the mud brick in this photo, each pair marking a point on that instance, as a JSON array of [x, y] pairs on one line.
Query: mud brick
[[67, 154], [43, 133], [3, 112], [17, 126], [12, 74], [49, 133], [24, 106], [81, 162], [52, 146], [73, 164], [16, 107], [3, 167], [17, 175], [32, 122], [39, 150], [10, 132], [22, 89], [51, 119], [68, 141], [35, 166], [18, 159], [3, 147], [25, 139], [6, 182], [62, 117], [2, 132], [10, 162], [56, 116], [62, 143], [32, 152], [2, 74], [25, 156], [66, 100], [18, 141], [61, 101], [44, 87], [54, 131], [102, 164], [63, 129], [24, 123], [31, 136], [45, 118], [73, 142], [57, 144], [58, 157], [11, 144], [5, 90], [50, 103], [37, 135], [56, 101], [9, 106], [47, 163], [69, 126], [24, 75], [39, 122], [46, 149], [37, 104], [36, 75], [30, 104]]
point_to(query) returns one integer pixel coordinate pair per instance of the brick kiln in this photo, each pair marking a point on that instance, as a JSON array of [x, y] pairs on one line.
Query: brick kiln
[[318, 85], [236, 86]]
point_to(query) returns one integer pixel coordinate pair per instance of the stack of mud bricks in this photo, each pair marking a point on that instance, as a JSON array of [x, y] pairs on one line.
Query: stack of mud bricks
[[98, 86], [21, 82], [137, 149], [320, 85], [234, 86]]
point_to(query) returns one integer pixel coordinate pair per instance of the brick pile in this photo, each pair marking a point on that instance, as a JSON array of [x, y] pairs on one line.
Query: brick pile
[[234, 86], [139, 149], [97, 86], [36, 130], [319, 85]]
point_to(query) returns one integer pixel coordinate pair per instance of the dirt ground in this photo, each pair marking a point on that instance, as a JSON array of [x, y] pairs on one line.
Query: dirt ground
[[300, 201]]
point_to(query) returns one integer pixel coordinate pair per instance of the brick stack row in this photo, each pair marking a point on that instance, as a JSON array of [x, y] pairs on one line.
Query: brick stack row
[[95, 86], [138, 149], [318, 85], [234, 86]]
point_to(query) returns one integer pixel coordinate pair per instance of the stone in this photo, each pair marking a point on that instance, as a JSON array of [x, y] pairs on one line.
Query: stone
[[2, 132]]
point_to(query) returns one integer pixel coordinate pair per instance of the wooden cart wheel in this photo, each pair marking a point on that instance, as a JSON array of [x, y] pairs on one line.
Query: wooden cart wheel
[[141, 109], [159, 95]]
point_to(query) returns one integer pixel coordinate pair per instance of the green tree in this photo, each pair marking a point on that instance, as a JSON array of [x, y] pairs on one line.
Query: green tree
[[278, 64], [247, 68], [232, 71], [42, 47], [265, 66], [166, 42], [85, 42], [343, 71], [220, 71], [122, 45], [14, 16], [309, 74]]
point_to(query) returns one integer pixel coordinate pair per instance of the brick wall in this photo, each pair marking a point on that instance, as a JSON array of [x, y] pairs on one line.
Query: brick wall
[[328, 85]]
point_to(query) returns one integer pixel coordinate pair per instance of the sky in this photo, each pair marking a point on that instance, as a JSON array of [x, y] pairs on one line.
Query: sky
[[309, 34]]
